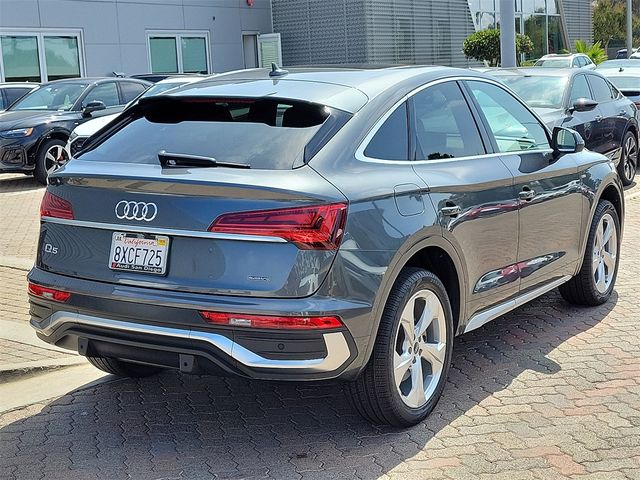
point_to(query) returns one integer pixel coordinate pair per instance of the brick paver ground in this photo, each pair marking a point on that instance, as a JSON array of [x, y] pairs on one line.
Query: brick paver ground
[[549, 391]]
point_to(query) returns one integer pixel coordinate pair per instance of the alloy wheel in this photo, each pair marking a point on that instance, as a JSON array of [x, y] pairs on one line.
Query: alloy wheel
[[419, 348], [55, 157], [605, 250], [630, 157]]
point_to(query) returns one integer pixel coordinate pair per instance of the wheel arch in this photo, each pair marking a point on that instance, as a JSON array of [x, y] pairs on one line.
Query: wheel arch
[[436, 254]]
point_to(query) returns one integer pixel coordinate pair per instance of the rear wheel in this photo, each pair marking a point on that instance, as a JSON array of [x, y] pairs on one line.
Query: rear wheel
[[410, 360], [628, 159], [51, 157], [122, 368], [595, 281]]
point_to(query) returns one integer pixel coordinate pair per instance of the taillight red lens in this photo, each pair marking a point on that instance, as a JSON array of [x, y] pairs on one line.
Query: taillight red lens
[[48, 293], [54, 206], [268, 321], [318, 227]]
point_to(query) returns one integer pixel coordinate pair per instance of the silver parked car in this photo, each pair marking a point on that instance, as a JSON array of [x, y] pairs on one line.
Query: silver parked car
[[319, 224]]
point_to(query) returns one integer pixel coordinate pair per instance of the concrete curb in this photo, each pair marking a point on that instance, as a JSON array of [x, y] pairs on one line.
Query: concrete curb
[[24, 368]]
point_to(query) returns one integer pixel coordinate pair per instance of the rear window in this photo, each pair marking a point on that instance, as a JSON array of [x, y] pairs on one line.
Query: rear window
[[263, 133], [554, 63]]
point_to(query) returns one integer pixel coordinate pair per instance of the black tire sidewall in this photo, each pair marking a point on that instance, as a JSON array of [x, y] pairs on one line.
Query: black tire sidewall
[[41, 164], [603, 208], [418, 280]]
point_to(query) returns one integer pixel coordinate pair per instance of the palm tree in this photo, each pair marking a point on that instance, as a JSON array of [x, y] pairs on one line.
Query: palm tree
[[595, 52]]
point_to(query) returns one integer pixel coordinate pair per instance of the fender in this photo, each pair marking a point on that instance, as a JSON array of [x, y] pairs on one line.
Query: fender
[[399, 261], [611, 179], [49, 134]]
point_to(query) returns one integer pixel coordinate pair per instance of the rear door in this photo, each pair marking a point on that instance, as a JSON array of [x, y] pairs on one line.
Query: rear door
[[471, 190], [106, 93], [548, 187], [588, 124], [611, 116]]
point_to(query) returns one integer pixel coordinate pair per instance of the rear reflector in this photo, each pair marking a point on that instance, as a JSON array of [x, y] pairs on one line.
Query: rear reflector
[[48, 293], [54, 206], [267, 321], [318, 227]]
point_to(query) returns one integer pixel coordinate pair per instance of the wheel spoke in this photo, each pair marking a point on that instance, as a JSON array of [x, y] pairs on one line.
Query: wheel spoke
[[416, 396], [599, 235], [434, 354], [407, 323], [401, 364], [606, 236], [600, 278], [609, 261], [425, 319], [50, 156]]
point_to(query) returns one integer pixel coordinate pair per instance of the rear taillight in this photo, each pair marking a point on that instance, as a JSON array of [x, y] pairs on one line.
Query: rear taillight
[[48, 293], [271, 322], [318, 227], [54, 206]]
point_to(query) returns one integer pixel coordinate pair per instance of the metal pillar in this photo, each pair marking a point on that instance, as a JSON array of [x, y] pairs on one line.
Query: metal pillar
[[629, 28], [508, 33]]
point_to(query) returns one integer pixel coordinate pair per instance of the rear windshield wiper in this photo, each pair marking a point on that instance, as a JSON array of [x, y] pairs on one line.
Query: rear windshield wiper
[[177, 160]]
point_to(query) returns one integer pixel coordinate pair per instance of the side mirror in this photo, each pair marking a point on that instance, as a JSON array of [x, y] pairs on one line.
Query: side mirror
[[565, 140], [92, 106], [583, 105]]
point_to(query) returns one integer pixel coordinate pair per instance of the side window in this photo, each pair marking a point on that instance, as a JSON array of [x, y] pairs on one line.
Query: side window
[[2, 103], [391, 141], [577, 63], [579, 89], [131, 90], [444, 125], [107, 93], [513, 126], [601, 90], [14, 94]]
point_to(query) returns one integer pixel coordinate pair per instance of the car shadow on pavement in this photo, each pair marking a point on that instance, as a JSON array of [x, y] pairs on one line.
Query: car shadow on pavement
[[18, 184], [180, 426]]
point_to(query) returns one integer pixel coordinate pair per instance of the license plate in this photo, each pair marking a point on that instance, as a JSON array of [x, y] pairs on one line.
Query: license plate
[[136, 252]]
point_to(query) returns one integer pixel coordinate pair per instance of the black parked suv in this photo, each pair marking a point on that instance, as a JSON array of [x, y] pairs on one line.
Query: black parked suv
[[35, 129]]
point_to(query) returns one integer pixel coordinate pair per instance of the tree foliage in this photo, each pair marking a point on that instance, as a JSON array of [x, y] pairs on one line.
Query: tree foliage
[[608, 21], [485, 46], [595, 52]]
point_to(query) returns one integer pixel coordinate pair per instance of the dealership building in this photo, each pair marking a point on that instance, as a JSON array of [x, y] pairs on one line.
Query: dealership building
[[43, 40]]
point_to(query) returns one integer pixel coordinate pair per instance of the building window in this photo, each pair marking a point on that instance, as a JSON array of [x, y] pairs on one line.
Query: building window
[[184, 52], [40, 56]]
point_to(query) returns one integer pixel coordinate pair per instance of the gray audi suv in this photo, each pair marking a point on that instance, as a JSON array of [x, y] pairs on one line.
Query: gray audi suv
[[319, 224]]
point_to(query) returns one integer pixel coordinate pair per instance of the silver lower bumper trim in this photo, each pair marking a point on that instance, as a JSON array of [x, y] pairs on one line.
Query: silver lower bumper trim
[[336, 344]]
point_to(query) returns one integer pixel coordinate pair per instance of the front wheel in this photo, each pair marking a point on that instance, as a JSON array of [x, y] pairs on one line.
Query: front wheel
[[51, 156], [597, 276], [628, 159], [410, 361]]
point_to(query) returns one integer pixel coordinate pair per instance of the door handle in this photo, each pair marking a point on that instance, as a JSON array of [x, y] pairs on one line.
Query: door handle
[[527, 194], [599, 118], [451, 211]]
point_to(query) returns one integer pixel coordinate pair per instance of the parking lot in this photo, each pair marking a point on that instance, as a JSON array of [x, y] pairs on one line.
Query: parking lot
[[548, 391]]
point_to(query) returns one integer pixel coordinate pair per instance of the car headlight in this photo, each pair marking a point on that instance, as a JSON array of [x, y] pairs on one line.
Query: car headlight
[[17, 133]]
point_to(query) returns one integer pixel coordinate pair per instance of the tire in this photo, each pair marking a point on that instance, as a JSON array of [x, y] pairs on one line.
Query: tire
[[122, 368], [628, 159], [375, 394], [43, 159], [584, 288]]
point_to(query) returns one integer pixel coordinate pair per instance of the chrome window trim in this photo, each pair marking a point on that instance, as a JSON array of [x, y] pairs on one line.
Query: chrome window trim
[[163, 231], [367, 139], [338, 351]]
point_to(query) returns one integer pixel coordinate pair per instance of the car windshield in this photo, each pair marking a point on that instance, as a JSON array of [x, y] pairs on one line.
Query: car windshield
[[537, 91], [55, 96], [263, 133], [554, 62], [626, 83]]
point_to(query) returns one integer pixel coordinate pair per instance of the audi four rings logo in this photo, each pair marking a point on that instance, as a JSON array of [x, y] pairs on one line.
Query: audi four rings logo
[[136, 211]]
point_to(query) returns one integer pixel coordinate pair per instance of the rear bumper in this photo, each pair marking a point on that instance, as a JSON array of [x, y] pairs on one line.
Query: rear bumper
[[97, 321]]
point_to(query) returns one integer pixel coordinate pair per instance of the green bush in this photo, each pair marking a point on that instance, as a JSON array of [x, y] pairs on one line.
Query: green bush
[[595, 52], [485, 46]]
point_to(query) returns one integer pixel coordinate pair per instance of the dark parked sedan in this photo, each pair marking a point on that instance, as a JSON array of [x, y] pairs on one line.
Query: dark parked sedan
[[319, 224], [586, 102], [35, 129]]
